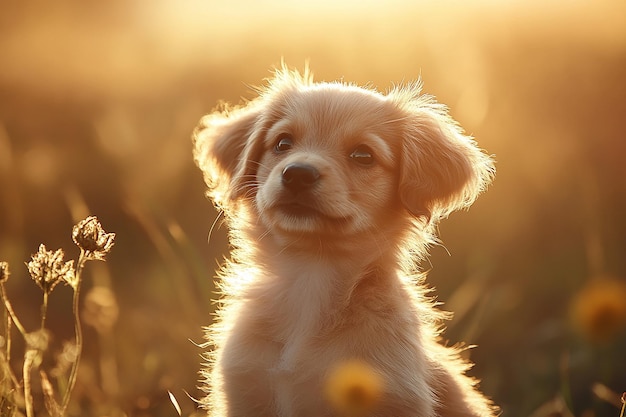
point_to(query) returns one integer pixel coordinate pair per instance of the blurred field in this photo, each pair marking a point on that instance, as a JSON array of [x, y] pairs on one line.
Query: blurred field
[[98, 100]]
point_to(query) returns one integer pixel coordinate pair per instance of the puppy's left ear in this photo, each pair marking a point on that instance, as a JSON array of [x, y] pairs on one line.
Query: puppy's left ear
[[442, 169]]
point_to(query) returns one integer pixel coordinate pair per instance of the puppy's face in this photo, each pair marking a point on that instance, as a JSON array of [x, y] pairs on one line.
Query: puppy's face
[[330, 159], [328, 164]]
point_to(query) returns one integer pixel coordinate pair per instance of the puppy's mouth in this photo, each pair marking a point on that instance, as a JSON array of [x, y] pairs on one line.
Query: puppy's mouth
[[305, 210], [297, 209]]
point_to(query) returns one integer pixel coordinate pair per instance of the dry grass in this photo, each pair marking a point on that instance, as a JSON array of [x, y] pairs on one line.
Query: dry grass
[[47, 269]]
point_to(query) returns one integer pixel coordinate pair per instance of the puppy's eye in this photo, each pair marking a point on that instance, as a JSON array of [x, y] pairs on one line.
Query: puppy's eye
[[283, 143], [362, 155]]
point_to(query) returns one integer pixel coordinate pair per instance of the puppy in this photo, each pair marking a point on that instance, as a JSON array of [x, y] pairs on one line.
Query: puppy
[[332, 193]]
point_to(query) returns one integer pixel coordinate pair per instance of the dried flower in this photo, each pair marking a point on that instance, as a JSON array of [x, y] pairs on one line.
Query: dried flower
[[353, 389], [89, 235], [599, 309], [4, 271], [48, 269]]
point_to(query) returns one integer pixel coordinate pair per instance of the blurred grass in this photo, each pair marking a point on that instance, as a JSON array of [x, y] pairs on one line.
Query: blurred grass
[[97, 102]]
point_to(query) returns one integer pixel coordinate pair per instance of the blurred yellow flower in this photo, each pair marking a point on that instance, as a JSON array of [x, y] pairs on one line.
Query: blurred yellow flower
[[599, 309], [353, 388]]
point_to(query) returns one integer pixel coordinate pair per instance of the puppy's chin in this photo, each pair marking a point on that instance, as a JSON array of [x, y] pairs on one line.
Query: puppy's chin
[[302, 220]]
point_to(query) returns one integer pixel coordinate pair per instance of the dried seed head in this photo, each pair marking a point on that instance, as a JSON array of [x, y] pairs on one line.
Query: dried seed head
[[47, 268], [89, 235], [4, 271]]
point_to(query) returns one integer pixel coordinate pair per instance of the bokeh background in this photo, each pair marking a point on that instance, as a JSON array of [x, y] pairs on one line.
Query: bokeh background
[[98, 101]]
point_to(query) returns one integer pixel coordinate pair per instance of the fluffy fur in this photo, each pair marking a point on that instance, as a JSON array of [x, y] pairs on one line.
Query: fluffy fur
[[332, 193]]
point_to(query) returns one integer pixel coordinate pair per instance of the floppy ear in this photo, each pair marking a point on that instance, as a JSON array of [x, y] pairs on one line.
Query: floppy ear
[[225, 149], [229, 143], [442, 169]]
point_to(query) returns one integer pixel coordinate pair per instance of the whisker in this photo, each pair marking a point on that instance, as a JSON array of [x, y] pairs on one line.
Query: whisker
[[288, 246], [264, 234], [220, 215], [247, 189], [258, 164]]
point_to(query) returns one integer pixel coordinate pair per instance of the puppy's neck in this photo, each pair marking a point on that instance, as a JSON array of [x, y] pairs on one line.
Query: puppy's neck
[[334, 253], [318, 274], [310, 291]]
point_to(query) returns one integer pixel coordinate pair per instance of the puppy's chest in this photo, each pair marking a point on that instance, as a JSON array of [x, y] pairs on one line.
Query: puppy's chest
[[304, 303], [296, 310]]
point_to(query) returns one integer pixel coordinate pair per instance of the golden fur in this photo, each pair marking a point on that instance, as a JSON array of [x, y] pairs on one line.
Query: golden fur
[[332, 193]]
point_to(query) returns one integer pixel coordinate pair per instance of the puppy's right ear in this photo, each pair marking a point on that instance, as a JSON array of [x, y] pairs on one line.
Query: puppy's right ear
[[225, 150]]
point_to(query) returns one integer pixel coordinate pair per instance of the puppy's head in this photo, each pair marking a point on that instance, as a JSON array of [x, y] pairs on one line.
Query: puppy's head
[[335, 159]]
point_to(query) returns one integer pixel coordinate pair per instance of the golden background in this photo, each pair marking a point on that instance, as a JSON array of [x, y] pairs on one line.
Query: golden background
[[98, 101]]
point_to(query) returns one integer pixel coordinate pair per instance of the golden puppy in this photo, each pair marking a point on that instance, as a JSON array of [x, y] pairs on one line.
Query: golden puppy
[[332, 192]]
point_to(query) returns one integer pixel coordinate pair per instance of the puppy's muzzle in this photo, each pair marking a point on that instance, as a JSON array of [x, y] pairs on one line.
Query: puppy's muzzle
[[299, 177]]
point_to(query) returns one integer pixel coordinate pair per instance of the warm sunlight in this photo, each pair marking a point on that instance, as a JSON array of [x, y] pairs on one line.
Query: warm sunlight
[[98, 101]]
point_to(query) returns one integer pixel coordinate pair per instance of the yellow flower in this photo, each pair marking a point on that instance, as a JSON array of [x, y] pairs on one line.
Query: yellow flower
[[353, 388], [599, 309]]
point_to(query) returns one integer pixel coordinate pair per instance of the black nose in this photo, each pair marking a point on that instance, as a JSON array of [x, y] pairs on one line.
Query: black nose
[[300, 176]]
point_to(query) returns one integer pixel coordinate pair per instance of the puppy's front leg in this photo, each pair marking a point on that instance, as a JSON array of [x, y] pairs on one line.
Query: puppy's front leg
[[243, 386], [246, 394]]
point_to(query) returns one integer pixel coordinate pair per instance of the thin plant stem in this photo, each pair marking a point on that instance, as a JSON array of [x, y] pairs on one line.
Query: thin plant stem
[[28, 398], [44, 310], [7, 333], [8, 324], [77, 331], [9, 308], [16, 383]]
